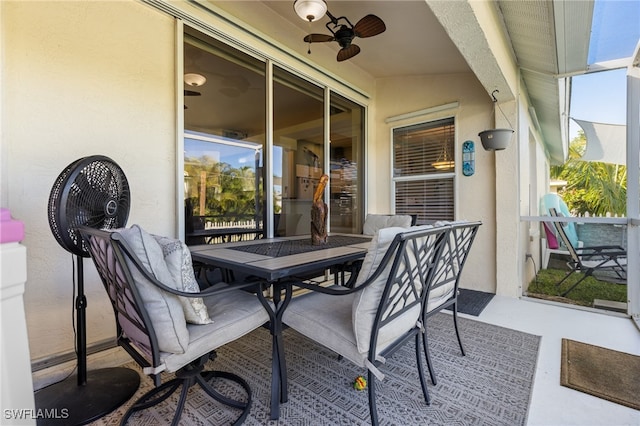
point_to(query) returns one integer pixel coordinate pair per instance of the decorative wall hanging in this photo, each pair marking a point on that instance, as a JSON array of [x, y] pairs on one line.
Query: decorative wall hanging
[[468, 158]]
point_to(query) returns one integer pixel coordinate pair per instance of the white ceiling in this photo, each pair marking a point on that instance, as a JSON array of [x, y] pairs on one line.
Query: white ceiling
[[415, 43]]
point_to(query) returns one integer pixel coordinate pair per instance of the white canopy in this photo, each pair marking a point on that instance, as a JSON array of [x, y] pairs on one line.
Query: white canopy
[[606, 143]]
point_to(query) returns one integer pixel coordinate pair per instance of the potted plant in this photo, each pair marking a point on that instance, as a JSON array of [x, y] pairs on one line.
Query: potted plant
[[496, 139]]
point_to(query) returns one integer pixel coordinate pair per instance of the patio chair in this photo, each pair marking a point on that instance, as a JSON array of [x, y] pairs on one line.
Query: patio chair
[[550, 244], [443, 291], [372, 224], [589, 260], [150, 282], [368, 323]]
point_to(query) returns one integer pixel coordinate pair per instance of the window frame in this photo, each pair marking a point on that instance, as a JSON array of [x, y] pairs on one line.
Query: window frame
[[452, 175]]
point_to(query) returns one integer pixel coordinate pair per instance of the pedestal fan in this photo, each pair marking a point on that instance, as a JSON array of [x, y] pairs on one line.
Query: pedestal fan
[[92, 191]]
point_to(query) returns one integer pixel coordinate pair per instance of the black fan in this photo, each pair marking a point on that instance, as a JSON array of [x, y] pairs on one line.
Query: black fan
[[90, 192], [343, 31]]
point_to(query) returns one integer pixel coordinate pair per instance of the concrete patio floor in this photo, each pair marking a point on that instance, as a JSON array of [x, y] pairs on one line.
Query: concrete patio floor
[[551, 403]]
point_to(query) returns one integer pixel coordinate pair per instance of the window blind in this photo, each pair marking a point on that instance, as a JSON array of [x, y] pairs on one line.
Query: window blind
[[423, 166], [428, 199], [418, 149]]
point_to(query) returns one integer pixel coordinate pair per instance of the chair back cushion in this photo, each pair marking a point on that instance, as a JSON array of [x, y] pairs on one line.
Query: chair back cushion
[[164, 309], [554, 201], [375, 222], [552, 241], [367, 301]]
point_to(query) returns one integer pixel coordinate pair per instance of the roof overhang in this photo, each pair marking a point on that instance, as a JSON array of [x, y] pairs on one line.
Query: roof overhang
[[551, 42]]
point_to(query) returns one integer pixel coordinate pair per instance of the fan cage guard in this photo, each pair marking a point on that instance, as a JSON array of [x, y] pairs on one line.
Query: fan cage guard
[[93, 192]]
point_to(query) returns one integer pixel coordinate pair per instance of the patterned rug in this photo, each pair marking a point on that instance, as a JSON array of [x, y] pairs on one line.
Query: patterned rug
[[491, 385]]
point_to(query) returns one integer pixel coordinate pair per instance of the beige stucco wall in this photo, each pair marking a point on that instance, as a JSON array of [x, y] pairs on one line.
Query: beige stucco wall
[[475, 194], [79, 79], [86, 78]]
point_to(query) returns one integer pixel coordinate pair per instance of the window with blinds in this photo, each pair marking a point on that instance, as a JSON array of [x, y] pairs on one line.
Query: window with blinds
[[424, 170]]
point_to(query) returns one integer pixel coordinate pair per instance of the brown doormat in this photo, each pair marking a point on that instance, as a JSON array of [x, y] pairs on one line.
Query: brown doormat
[[601, 372]]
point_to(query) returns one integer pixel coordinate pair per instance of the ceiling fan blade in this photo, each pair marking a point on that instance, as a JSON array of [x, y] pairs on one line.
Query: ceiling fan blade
[[191, 93], [369, 26], [318, 38], [348, 52]]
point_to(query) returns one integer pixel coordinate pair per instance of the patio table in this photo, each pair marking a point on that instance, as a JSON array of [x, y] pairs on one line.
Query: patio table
[[272, 260]]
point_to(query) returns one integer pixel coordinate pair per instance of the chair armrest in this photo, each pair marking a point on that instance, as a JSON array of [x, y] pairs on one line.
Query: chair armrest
[[335, 290], [606, 247], [608, 251], [213, 289]]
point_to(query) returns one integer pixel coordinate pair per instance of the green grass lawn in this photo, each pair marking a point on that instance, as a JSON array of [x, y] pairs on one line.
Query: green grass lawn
[[544, 286]]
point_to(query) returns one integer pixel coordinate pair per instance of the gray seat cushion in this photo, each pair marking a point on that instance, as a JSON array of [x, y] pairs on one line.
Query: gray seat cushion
[[234, 314]]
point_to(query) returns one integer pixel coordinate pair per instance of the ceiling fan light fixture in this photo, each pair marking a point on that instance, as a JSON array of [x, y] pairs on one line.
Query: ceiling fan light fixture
[[310, 10], [195, 80]]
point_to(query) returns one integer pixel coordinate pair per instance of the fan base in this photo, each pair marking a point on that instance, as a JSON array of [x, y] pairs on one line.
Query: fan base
[[67, 403]]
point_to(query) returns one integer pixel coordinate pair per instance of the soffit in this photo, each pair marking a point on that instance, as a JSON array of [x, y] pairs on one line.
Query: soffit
[[550, 41]]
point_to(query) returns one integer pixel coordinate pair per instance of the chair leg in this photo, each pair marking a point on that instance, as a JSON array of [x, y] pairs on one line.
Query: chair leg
[[187, 377], [427, 354], [455, 325], [574, 284], [371, 386], [203, 380], [151, 398], [423, 381], [186, 384]]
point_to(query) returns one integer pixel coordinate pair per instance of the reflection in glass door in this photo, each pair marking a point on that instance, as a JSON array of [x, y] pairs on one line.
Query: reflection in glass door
[[346, 199], [224, 121], [298, 153]]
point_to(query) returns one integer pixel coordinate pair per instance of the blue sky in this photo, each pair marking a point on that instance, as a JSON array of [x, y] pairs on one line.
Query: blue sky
[[599, 97], [602, 97]]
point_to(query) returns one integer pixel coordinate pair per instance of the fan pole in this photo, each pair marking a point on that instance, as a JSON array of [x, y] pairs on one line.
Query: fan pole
[[81, 321]]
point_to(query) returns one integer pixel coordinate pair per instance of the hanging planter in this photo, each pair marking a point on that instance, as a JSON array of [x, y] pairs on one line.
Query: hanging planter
[[496, 139]]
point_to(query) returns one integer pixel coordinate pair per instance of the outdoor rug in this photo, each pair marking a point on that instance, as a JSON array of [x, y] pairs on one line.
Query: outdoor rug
[[491, 385], [601, 372], [472, 302]]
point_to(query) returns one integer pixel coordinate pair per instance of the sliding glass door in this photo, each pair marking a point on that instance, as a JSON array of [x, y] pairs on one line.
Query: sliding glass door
[[224, 120], [346, 165], [226, 112]]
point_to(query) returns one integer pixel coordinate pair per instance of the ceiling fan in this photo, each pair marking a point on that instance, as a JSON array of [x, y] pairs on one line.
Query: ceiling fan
[[343, 31]]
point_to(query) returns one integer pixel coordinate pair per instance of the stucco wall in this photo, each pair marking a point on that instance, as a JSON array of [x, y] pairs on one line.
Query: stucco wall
[[475, 194], [79, 79]]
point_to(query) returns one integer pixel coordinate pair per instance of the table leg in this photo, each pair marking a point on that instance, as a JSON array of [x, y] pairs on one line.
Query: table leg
[[278, 365]]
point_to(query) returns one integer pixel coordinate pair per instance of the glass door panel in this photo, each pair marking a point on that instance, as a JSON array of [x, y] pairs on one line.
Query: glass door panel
[[224, 121], [298, 150], [347, 165]]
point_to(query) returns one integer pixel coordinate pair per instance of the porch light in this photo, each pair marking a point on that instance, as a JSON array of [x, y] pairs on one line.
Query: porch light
[[496, 139], [195, 80], [310, 10]]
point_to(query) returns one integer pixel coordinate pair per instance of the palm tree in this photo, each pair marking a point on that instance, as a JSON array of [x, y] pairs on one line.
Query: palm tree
[[592, 187]]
